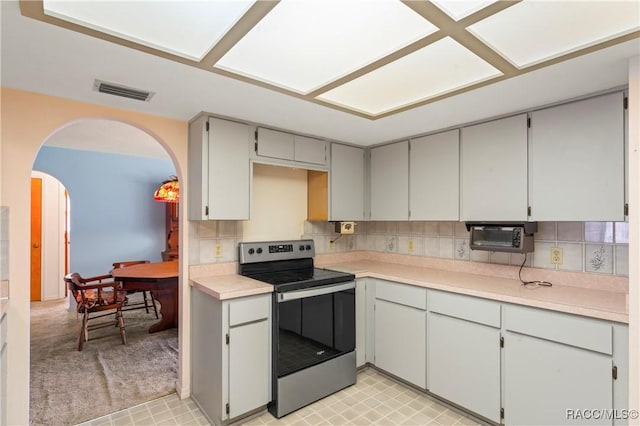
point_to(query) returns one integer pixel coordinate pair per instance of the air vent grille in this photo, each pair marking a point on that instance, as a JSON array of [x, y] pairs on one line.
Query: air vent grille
[[123, 91]]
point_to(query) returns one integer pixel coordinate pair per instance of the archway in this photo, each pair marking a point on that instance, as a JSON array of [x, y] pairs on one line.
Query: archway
[[28, 119], [111, 170]]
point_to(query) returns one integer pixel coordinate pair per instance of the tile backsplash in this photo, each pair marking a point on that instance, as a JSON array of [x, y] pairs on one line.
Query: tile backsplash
[[598, 247], [594, 247]]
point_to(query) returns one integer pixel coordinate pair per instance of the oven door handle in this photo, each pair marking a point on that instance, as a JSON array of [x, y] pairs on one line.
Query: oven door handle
[[317, 291]]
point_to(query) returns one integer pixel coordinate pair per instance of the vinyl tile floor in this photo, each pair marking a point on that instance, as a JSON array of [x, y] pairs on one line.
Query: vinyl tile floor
[[373, 400]]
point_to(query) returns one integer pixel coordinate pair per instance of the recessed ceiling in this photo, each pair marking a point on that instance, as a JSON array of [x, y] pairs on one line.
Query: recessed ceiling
[[370, 58]]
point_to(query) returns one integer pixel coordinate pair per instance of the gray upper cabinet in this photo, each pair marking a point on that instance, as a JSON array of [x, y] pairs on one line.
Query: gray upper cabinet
[[493, 170], [347, 183], [218, 155], [389, 191], [309, 150], [577, 161], [434, 179], [275, 144], [290, 147]]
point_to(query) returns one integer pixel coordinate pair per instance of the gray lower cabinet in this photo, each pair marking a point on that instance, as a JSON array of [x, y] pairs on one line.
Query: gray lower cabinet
[[558, 368], [230, 355], [3, 369], [463, 350], [401, 331], [509, 364], [545, 380]]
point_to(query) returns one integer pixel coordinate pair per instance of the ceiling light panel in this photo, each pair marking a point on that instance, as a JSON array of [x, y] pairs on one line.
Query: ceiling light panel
[[531, 31], [434, 70], [458, 9], [184, 28], [303, 45]]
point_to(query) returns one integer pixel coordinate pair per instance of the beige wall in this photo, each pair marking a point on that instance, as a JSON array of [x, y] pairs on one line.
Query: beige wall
[[278, 204], [28, 119]]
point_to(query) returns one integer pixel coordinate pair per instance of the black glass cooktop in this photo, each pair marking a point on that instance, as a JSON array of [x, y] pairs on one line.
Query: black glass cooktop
[[290, 280]]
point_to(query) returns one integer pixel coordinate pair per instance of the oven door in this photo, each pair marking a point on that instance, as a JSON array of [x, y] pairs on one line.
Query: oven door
[[314, 325]]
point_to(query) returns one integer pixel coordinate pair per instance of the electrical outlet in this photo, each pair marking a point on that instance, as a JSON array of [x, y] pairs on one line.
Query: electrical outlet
[[556, 256], [218, 250], [331, 246], [410, 246]]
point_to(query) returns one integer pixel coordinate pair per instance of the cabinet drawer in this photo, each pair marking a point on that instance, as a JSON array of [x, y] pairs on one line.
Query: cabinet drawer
[[248, 309], [586, 333], [403, 294], [468, 308]]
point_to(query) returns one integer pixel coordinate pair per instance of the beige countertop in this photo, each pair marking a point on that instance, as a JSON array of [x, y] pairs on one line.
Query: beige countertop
[[224, 285], [603, 304], [595, 296]]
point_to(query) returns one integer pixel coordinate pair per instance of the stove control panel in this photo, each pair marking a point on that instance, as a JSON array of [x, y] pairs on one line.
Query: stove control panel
[[267, 251]]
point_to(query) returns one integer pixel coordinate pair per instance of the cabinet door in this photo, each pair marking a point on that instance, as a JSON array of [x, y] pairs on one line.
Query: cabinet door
[[434, 180], [274, 144], [400, 341], [229, 173], [310, 150], [198, 171], [544, 381], [249, 367], [347, 182], [464, 364], [577, 161], [390, 182], [493, 170], [3, 385], [621, 363]]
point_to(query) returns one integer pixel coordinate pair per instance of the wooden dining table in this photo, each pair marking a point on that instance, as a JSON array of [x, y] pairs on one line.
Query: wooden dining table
[[161, 278]]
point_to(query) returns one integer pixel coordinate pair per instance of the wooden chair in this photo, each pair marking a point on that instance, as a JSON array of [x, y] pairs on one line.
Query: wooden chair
[[147, 302], [97, 294]]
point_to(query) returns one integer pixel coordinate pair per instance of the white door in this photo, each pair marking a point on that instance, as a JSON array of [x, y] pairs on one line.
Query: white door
[[53, 236]]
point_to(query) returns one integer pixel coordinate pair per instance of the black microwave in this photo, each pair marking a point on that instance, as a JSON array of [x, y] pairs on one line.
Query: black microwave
[[510, 237]]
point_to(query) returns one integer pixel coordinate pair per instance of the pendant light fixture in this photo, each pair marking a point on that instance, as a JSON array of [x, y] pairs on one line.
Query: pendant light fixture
[[169, 191]]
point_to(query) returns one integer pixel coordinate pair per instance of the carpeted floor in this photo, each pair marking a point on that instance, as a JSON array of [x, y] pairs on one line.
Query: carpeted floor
[[69, 387]]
